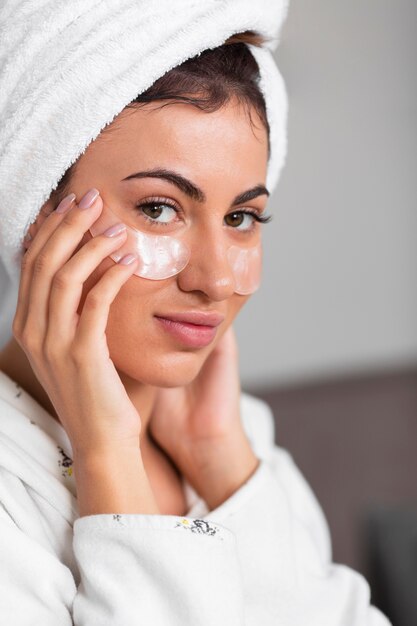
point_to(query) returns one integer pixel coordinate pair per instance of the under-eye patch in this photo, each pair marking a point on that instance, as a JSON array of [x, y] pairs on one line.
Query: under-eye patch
[[163, 256]]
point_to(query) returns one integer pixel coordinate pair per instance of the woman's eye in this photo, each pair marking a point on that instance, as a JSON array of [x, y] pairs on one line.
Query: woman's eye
[[158, 212], [238, 218], [244, 220]]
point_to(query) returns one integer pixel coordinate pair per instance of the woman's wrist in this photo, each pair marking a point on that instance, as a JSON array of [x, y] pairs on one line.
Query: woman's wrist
[[113, 481], [218, 470]]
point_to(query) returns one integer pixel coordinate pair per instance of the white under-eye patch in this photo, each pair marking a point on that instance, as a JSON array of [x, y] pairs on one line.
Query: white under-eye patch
[[163, 256]]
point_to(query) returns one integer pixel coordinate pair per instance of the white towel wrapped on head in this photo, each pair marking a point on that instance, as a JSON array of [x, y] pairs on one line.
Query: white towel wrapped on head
[[69, 67]]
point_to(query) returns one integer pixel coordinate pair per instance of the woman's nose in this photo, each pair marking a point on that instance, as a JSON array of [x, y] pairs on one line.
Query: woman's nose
[[208, 269]]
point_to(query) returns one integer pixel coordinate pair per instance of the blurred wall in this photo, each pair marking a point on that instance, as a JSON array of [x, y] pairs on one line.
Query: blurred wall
[[339, 291]]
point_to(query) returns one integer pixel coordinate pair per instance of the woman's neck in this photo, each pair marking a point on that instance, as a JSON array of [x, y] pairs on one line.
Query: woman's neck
[[14, 363]]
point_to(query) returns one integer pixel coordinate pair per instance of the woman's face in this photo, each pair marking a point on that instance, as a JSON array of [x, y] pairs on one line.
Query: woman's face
[[223, 155]]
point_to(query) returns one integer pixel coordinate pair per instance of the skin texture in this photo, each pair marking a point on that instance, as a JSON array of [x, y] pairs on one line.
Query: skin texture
[[182, 394]]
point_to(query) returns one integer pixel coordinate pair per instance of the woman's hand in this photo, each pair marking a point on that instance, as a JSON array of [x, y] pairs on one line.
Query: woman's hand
[[200, 428], [68, 350]]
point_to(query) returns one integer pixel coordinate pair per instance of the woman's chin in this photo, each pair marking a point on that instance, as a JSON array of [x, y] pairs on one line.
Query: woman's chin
[[173, 370]]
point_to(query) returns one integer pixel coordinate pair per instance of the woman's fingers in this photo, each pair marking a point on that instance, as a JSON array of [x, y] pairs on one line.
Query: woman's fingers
[[94, 316], [43, 234], [67, 286], [49, 256]]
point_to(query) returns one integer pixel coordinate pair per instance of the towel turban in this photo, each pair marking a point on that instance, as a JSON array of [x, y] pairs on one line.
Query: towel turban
[[69, 67]]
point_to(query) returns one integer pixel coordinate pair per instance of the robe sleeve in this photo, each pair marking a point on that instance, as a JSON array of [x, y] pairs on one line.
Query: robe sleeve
[[134, 569], [160, 570]]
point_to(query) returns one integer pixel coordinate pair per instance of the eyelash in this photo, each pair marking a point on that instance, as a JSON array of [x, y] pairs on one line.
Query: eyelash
[[262, 219]]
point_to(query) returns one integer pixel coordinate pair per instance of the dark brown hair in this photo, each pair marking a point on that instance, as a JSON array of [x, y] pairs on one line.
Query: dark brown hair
[[208, 81]]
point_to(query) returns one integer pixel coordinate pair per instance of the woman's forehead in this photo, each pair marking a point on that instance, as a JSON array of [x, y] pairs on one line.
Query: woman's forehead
[[224, 142]]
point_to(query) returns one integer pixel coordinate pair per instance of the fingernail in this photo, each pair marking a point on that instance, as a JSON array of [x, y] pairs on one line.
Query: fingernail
[[114, 230], [65, 204], [128, 259], [88, 199]]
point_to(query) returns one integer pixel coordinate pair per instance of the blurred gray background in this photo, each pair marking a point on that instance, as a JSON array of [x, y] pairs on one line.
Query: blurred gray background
[[339, 287], [330, 338]]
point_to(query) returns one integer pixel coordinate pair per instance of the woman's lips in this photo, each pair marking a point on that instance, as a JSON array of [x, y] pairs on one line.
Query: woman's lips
[[193, 335]]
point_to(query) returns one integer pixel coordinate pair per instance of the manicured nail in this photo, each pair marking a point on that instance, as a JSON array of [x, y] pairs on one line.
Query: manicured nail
[[114, 230], [88, 199], [128, 259], [65, 204]]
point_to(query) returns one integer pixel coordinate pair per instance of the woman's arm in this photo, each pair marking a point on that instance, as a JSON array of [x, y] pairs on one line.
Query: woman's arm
[[68, 351], [113, 481]]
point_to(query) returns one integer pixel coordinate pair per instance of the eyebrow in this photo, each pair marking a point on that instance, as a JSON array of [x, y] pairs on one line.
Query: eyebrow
[[191, 189]]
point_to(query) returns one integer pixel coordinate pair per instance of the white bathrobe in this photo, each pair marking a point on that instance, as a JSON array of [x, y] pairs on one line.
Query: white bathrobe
[[262, 558]]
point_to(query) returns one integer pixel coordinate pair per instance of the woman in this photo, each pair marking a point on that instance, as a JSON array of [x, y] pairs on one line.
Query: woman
[[145, 411]]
